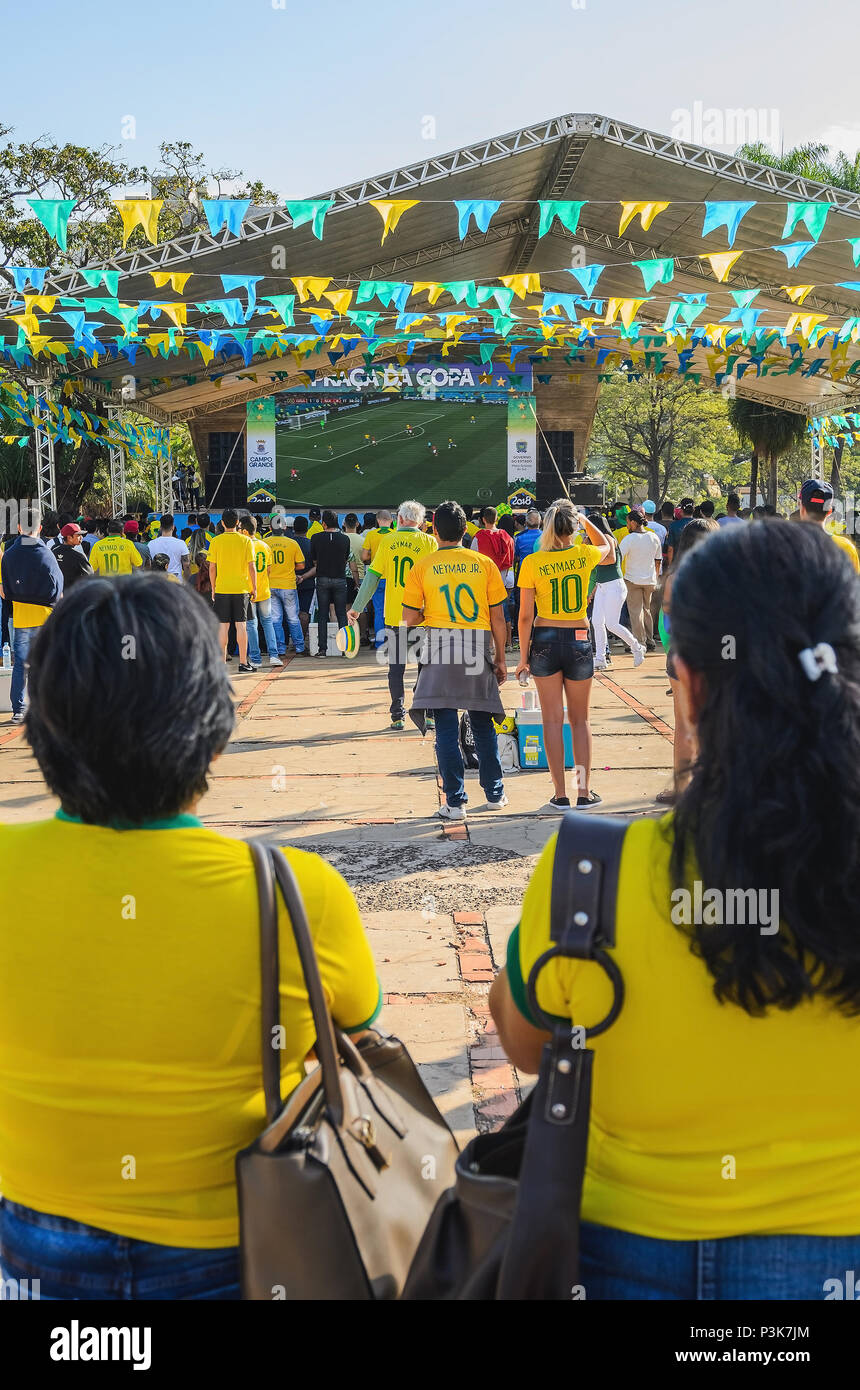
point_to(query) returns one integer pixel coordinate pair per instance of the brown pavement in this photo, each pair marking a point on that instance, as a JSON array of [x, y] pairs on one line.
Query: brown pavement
[[313, 764]]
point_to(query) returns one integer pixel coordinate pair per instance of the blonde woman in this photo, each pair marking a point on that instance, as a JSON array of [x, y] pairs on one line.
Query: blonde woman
[[554, 638]]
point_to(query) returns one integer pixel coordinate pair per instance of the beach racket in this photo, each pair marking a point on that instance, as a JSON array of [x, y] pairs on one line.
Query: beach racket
[[347, 640]]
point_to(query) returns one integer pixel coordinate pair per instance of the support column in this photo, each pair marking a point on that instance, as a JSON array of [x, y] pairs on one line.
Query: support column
[[117, 470], [46, 478], [165, 484], [817, 459]]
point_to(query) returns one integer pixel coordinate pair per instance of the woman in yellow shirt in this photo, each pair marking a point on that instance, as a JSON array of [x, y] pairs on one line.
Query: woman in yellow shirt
[[724, 1150], [130, 1069]]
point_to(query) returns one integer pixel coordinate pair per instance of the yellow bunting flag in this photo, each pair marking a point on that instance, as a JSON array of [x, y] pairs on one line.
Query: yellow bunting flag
[[391, 210], [721, 263], [28, 322], [206, 352], [429, 287], [178, 313], [340, 300], [717, 333], [139, 212], [45, 302], [645, 211], [797, 293], [522, 284], [307, 285], [177, 279]]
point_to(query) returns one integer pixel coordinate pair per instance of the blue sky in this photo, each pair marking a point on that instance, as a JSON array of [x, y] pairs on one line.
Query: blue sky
[[309, 94]]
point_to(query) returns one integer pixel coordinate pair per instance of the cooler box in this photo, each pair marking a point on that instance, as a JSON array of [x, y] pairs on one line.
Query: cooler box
[[331, 649], [530, 736]]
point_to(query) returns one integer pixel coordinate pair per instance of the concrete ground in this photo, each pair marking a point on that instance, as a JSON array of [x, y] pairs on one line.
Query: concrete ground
[[312, 763]]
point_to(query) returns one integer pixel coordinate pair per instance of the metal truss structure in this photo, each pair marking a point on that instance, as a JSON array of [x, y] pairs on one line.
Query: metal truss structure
[[816, 461], [116, 455], [46, 477]]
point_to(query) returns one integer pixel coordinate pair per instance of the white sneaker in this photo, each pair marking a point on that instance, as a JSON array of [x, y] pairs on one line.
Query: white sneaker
[[447, 812], [17, 719], [638, 655], [600, 665], [497, 805], [275, 661]]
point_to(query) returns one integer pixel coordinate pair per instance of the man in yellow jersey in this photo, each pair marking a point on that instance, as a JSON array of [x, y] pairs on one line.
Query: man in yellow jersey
[[816, 504], [391, 565], [459, 595], [261, 610], [116, 554], [287, 559], [372, 542], [234, 583], [314, 524], [32, 581]]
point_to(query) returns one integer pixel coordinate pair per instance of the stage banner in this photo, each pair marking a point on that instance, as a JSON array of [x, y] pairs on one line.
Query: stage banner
[[522, 452], [260, 450]]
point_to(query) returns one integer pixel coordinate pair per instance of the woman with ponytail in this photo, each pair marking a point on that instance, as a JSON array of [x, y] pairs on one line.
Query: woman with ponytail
[[724, 1148], [554, 638]]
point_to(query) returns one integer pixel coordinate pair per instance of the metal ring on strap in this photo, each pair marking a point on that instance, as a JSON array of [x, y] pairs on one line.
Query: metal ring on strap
[[601, 958]]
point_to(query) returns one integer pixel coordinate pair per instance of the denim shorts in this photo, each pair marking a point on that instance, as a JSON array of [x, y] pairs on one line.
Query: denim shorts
[[557, 649]]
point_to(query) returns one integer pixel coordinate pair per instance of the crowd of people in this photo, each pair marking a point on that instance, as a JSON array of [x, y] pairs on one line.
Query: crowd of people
[[735, 1175]]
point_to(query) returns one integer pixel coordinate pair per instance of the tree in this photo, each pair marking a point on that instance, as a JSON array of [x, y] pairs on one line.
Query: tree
[[770, 433], [667, 434], [814, 161], [94, 178]]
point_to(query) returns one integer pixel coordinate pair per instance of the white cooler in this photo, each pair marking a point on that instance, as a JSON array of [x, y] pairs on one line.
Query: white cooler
[[331, 648]]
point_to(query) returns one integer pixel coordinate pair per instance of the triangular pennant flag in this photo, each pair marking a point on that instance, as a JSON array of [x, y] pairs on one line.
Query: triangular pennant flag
[[522, 284], [854, 243], [725, 214], [659, 271], [177, 279], [503, 296], [54, 213], [391, 210], [139, 212], [645, 211], [482, 209], [588, 276], [108, 278], [225, 212], [308, 285], [794, 251], [568, 214], [429, 287], [797, 293], [340, 300], [27, 274], [814, 215], [721, 263], [311, 210]]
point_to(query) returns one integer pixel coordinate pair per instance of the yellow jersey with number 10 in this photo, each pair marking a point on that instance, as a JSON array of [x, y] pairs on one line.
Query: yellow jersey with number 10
[[286, 554], [455, 587], [560, 580], [393, 562], [115, 555]]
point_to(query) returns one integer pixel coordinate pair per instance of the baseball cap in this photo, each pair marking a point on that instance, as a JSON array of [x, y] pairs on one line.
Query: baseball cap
[[649, 506], [814, 492], [131, 528], [71, 530]]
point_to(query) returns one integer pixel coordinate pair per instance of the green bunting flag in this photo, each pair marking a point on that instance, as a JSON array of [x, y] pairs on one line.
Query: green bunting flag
[[567, 213]]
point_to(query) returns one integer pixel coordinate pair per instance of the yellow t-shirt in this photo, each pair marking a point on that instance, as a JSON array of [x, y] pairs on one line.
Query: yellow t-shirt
[[472, 529], [286, 555], [232, 553], [146, 989], [29, 614], [681, 1080], [560, 580], [313, 529], [262, 561], [849, 548], [374, 539], [115, 555], [393, 561], [455, 587]]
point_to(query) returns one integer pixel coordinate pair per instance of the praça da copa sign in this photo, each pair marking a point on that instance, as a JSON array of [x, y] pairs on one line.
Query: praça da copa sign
[[427, 378]]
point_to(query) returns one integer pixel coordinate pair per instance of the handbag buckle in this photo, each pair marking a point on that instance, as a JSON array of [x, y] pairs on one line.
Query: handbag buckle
[[363, 1129]]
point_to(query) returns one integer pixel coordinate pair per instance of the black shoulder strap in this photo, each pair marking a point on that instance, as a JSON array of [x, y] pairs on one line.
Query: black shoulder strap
[[583, 904]]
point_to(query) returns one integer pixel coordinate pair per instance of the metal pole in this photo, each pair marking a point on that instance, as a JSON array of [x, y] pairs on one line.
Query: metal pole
[[817, 458], [46, 477], [117, 470]]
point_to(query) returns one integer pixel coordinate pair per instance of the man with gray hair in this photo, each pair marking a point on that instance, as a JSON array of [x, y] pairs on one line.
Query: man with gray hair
[[33, 581], [390, 567]]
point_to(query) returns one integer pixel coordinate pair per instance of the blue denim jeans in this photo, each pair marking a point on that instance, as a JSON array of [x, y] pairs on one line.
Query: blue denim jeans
[[75, 1261], [21, 639], [261, 613], [618, 1265], [285, 617], [450, 759]]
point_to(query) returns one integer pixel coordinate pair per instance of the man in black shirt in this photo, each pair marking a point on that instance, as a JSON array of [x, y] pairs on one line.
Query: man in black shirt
[[70, 556], [329, 556]]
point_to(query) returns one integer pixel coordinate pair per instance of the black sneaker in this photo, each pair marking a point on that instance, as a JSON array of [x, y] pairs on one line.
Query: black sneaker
[[245, 668]]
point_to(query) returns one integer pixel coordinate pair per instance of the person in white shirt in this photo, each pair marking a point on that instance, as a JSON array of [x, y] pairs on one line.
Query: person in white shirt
[[642, 556], [733, 506], [170, 545]]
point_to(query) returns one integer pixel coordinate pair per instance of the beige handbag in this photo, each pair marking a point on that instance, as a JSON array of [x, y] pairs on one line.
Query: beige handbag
[[335, 1194]]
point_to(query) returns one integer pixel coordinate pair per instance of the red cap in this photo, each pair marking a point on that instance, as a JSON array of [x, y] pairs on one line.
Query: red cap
[[131, 528], [71, 530]]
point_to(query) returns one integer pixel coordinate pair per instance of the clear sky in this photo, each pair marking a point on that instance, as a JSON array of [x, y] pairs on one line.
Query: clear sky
[[310, 94]]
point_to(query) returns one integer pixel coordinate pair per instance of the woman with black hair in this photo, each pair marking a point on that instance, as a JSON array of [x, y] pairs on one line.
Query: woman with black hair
[[724, 1153], [130, 1070]]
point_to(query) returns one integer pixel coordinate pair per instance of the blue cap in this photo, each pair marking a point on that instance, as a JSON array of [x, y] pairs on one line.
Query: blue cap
[[649, 507]]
